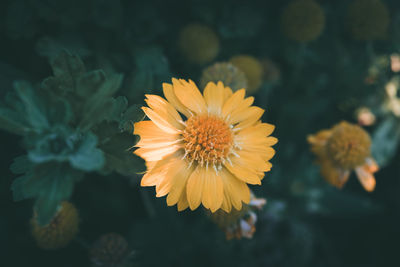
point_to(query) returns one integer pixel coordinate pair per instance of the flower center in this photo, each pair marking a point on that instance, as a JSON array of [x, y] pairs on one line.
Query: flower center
[[349, 146], [208, 140]]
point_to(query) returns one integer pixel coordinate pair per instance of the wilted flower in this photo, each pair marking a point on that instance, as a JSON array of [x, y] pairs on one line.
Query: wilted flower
[[368, 19], [340, 150], [239, 223], [211, 156], [198, 43], [61, 229], [253, 70], [303, 20], [110, 250], [227, 73]]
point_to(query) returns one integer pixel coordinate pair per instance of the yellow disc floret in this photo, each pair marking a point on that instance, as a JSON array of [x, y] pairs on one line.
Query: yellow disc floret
[[303, 20], [368, 19], [208, 140], [60, 231], [225, 72], [253, 70], [198, 43], [348, 146]]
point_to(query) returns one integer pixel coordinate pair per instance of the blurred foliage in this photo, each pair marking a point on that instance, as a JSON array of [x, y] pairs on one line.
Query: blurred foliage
[[78, 123], [58, 120]]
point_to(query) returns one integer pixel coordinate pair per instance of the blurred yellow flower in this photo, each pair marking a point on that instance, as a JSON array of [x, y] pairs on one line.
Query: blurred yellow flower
[[303, 20], [209, 157], [198, 43], [252, 69], [60, 231], [225, 72], [368, 19], [340, 150]]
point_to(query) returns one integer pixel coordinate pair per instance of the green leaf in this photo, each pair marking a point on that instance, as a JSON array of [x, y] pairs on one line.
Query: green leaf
[[57, 186], [133, 114], [34, 109], [100, 104], [59, 110], [119, 106], [57, 144], [21, 165], [90, 83], [13, 122], [67, 68], [385, 141], [88, 157], [119, 156]]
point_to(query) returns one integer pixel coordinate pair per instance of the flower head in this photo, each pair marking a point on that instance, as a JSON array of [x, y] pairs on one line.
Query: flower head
[[60, 231], [110, 250], [303, 20], [198, 43], [253, 70], [340, 150], [225, 72], [209, 156], [368, 19]]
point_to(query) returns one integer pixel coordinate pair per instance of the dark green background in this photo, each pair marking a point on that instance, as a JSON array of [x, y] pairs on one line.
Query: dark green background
[[321, 84]]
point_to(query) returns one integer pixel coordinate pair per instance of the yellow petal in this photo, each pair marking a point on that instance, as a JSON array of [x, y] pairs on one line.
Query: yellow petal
[[243, 173], [164, 123], [271, 141], [164, 186], [153, 137], [183, 203], [227, 93], [171, 97], [226, 203], [181, 173], [242, 107], [235, 191], [157, 173], [233, 102], [174, 180], [247, 117], [213, 191], [165, 109], [155, 154], [189, 95], [214, 96], [366, 178], [194, 188]]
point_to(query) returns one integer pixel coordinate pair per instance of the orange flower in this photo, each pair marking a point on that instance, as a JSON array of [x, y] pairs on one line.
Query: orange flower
[[340, 150], [210, 156]]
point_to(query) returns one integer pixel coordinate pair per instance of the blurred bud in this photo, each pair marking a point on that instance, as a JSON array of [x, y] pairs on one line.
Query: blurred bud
[[253, 70], [110, 250], [227, 73], [60, 231], [198, 43], [395, 62], [392, 103], [365, 117], [239, 223]]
